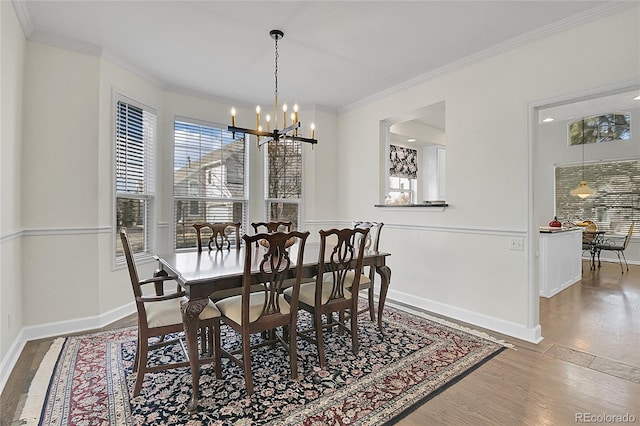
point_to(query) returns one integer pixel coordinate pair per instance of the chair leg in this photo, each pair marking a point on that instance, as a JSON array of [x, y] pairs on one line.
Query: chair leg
[[202, 333], [246, 360], [354, 331], [319, 341], [625, 261], [293, 349], [372, 314], [142, 366], [217, 350]]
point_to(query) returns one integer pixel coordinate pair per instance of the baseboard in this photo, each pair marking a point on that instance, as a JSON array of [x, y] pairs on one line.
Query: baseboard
[[43, 331], [10, 359], [508, 328]]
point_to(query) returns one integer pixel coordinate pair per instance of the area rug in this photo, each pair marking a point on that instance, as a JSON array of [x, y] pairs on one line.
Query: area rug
[[417, 358]]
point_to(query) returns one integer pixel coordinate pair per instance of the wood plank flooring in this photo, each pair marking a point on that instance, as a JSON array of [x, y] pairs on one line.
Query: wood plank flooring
[[588, 364]]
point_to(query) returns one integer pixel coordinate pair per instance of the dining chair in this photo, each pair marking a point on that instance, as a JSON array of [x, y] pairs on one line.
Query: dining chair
[[324, 297], [589, 240], [159, 315], [371, 242], [617, 247], [219, 234], [260, 311], [271, 226]]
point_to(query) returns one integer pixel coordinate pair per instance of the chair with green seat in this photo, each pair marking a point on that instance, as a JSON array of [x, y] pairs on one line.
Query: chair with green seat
[[159, 315]]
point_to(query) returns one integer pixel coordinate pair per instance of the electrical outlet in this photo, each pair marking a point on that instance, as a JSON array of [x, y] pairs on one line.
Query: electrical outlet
[[516, 244]]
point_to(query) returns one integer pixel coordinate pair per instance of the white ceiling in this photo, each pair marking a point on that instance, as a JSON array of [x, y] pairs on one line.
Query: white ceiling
[[333, 54]]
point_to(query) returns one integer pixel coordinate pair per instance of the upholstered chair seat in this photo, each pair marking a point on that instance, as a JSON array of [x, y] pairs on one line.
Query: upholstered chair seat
[[231, 307], [167, 312]]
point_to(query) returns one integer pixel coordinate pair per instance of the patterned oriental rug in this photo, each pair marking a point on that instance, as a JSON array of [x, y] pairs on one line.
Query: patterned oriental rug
[[420, 356]]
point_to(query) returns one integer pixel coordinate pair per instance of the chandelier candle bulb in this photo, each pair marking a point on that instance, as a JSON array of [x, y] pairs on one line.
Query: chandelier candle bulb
[[258, 116], [233, 116], [268, 118], [313, 131], [295, 113], [284, 115]]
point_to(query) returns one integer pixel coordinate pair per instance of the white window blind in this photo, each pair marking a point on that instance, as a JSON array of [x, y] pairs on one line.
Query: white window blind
[[134, 175], [209, 177]]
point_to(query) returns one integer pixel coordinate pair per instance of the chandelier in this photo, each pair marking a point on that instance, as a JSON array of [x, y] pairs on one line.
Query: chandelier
[[289, 132]]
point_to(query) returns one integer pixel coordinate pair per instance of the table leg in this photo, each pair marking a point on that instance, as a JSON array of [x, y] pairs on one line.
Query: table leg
[[385, 275], [191, 310]]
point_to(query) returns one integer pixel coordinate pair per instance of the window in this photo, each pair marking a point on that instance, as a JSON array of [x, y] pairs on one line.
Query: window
[[209, 178], [413, 164], [403, 175], [600, 128], [284, 181], [135, 140], [616, 202]]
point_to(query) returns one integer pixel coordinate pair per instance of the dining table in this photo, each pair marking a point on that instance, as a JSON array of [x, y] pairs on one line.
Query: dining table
[[202, 273], [592, 240]]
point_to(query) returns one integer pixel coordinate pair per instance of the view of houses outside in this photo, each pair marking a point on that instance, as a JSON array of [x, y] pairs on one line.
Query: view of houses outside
[[209, 179]]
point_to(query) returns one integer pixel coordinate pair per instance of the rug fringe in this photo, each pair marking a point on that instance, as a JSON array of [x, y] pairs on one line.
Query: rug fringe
[[40, 384], [451, 324]]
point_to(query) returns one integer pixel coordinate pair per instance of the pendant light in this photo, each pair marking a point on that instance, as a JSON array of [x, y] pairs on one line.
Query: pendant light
[[583, 190]]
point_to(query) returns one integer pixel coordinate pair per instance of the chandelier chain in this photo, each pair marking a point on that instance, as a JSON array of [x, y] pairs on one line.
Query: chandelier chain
[[276, 69]]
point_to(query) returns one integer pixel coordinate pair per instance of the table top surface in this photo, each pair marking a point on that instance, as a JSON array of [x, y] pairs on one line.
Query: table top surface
[[193, 267]]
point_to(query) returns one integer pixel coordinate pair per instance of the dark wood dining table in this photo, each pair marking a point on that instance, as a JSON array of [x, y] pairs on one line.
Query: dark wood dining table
[[202, 273]]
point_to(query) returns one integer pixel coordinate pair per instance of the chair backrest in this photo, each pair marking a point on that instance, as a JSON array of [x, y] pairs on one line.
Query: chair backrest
[[345, 254], [273, 261], [131, 265], [271, 226], [372, 242], [588, 231], [219, 234], [627, 239]]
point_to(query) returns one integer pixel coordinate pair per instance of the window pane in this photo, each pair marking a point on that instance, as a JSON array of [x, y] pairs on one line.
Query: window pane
[[131, 214], [284, 212], [134, 164], [188, 212], [208, 162], [209, 178], [284, 162]]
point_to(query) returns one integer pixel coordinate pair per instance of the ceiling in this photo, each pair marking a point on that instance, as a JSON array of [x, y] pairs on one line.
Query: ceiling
[[333, 54]]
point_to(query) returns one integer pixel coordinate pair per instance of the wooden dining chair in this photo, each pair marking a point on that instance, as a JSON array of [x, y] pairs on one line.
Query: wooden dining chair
[[260, 311], [271, 226], [371, 242], [159, 315], [324, 297], [219, 234]]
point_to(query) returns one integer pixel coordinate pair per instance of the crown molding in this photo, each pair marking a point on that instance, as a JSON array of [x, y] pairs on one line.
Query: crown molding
[[599, 12]]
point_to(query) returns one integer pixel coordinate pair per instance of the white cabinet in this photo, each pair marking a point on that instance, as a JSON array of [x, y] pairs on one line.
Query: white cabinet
[[560, 260]]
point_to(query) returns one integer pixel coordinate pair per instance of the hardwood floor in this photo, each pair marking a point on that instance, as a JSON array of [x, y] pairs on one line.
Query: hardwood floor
[[588, 364]]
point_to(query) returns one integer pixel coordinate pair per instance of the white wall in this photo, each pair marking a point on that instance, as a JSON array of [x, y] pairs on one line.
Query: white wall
[[457, 262], [12, 45]]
